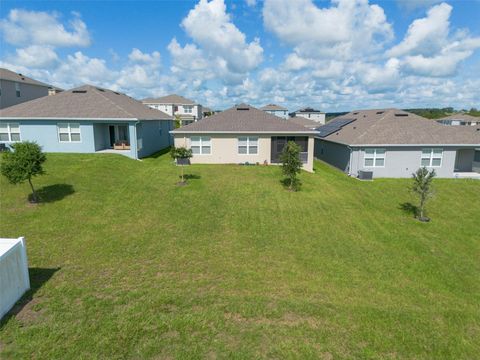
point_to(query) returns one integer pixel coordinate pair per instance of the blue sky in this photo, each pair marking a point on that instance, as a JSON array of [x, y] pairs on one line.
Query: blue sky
[[333, 55]]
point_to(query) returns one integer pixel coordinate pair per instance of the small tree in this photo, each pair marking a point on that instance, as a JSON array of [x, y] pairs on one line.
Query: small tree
[[181, 153], [291, 164], [23, 163], [422, 185], [178, 121]]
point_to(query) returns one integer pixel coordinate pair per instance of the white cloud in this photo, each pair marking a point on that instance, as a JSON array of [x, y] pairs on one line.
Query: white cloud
[[345, 29], [416, 4], [26, 28], [35, 56], [218, 41], [251, 3], [425, 36]]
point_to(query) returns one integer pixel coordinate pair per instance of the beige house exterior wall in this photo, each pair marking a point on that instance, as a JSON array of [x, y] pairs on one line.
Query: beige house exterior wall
[[224, 149]]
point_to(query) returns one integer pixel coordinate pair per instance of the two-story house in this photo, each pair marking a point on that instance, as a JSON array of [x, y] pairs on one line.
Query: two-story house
[[17, 88], [311, 114], [276, 110], [176, 105]]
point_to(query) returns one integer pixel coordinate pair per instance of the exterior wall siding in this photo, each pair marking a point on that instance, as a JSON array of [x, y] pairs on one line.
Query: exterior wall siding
[[335, 154], [27, 92], [401, 162], [224, 150], [320, 118], [280, 113], [155, 136]]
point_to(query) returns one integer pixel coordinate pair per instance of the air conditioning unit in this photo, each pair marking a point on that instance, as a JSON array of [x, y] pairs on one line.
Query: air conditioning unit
[[365, 175]]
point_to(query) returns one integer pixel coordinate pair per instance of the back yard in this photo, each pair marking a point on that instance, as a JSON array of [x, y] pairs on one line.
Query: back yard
[[124, 264]]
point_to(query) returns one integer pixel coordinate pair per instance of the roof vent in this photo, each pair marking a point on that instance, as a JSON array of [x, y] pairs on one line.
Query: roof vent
[[355, 113], [380, 112], [100, 90], [401, 114], [116, 93], [79, 91], [243, 107]]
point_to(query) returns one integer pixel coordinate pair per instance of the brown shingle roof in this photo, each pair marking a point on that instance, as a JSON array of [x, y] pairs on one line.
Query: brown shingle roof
[[273, 107], [6, 74], [300, 120], [398, 127], [242, 118], [169, 99], [85, 102]]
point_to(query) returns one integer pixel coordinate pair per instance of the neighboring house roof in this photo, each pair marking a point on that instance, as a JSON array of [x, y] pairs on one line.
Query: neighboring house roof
[[273, 107], [394, 127], [299, 120], [461, 117], [9, 75], [85, 102], [243, 118], [169, 99], [308, 110]]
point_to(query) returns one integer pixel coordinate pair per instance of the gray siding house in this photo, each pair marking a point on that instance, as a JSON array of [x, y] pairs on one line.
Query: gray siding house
[[394, 143], [88, 119], [17, 88]]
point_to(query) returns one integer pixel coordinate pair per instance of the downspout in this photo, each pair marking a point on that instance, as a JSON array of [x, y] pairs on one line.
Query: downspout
[[350, 161], [136, 139]]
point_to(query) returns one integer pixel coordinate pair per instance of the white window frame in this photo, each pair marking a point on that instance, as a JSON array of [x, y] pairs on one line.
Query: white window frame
[[431, 156], [374, 157], [203, 141], [69, 132], [249, 140], [188, 109], [10, 132]]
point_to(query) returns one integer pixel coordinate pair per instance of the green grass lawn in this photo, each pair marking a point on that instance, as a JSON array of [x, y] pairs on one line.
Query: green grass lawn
[[125, 264]]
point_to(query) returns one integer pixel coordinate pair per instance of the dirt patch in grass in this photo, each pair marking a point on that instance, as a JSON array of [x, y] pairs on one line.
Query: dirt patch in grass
[[28, 313]]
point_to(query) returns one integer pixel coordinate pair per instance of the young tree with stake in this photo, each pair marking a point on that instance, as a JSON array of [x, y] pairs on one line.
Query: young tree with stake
[[422, 185], [181, 154], [291, 164], [24, 163]]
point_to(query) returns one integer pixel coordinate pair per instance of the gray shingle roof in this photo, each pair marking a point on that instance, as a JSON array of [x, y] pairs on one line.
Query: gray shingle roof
[[243, 118], [6, 74], [398, 127], [273, 107], [169, 99], [85, 102]]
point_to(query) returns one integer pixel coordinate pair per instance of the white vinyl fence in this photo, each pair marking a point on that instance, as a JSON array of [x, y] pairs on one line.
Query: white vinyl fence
[[14, 280]]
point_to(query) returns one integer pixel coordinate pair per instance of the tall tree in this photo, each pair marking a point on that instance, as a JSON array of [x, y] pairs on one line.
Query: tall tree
[[24, 163], [422, 185], [291, 164]]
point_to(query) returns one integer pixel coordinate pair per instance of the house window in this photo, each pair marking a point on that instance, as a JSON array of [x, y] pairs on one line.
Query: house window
[[476, 156], [247, 145], [374, 157], [9, 132], [201, 145], [432, 157], [69, 132], [187, 109], [17, 89]]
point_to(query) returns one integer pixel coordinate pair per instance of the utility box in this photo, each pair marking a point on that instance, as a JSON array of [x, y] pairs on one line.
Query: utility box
[[14, 279], [365, 175]]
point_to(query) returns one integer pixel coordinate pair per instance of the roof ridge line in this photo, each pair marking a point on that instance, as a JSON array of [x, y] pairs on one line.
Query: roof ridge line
[[111, 101]]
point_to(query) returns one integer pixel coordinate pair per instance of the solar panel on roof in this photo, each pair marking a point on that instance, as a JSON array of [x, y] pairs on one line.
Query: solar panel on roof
[[332, 127]]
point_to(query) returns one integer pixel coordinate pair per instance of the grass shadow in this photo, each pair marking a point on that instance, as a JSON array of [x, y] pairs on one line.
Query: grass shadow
[[192, 177], [409, 208], [158, 153], [38, 278], [52, 193]]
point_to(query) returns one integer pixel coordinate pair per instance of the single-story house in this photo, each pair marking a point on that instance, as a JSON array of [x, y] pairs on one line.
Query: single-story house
[[88, 119], [460, 119], [243, 134], [395, 143], [277, 110]]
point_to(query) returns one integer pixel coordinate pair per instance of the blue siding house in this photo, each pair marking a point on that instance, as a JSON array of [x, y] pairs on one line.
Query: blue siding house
[[88, 119]]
